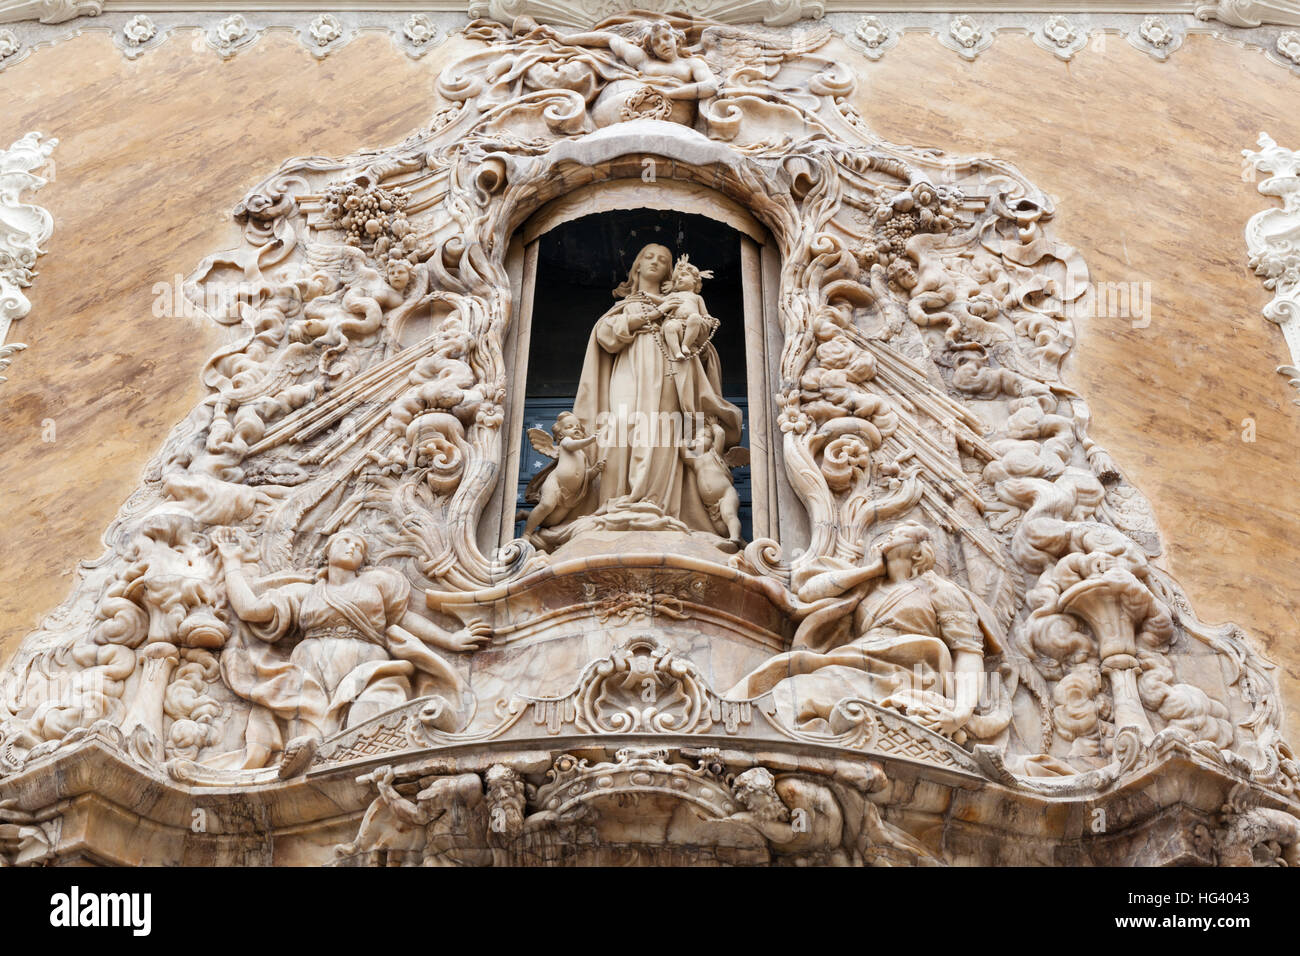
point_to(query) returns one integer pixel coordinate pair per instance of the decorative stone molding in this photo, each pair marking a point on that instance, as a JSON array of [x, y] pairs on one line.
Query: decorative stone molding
[[1157, 37], [1288, 46], [1061, 36], [1251, 13], [1065, 33], [959, 593], [1273, 242], [873, 38], [325, 29], [586, 13], [419, 29], [230, 34], [966, 36], [139, 30], [24, 228]]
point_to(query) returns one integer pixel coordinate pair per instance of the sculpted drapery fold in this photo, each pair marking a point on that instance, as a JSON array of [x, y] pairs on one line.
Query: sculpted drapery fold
[[645, 407]]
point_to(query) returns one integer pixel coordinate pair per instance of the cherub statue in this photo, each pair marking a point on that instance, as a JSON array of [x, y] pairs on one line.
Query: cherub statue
[[562, 485], [713, 477], [669, 79], [354, 308], [687, 324]]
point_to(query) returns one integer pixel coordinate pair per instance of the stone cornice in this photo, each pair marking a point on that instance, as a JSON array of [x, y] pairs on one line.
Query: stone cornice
[[1240, 13], [235, 26]]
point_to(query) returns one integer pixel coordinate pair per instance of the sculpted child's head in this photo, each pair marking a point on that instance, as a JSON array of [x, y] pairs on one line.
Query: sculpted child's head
[[708, 436], [567, 425], [688, 278], [398, 273]]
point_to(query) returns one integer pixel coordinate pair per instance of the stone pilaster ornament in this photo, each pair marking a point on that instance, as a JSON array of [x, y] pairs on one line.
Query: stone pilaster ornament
[[1273, 242], [24, 228]]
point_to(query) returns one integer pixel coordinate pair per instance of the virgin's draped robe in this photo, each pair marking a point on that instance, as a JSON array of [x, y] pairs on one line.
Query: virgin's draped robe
[[641, 414]]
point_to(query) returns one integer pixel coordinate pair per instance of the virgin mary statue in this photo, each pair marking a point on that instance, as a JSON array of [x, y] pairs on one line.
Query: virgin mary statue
[[645, 408]]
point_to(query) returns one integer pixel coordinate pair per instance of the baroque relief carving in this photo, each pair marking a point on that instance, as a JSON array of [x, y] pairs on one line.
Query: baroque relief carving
[[1251, 13], [48, 11], [303, 584], [415, 34], [587, 13], [24, 228], [820, 815], [1273, 242]]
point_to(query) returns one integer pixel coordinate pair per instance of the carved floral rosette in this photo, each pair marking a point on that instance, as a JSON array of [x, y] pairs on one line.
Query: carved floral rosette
[[924, 312]]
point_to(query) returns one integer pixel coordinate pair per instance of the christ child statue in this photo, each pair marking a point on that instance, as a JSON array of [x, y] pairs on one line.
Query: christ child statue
[[687, 325]]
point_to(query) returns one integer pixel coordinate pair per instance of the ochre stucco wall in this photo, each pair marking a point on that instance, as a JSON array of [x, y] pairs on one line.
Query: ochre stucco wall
[[1142, 157]]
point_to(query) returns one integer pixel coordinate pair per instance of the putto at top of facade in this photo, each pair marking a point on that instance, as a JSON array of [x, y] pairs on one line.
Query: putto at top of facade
[[956, 586]]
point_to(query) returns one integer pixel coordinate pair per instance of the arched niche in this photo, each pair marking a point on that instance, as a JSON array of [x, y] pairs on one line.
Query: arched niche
[[772, 510]]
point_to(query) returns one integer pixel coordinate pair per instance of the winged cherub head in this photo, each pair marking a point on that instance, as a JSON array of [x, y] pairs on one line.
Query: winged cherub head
[[568, 425]]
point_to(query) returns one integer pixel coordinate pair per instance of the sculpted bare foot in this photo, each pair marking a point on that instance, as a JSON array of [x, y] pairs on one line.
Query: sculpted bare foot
[[297, 756]]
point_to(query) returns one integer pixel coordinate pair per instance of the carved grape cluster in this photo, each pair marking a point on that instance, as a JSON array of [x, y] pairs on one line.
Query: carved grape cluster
[[373, 218], [922, 208]]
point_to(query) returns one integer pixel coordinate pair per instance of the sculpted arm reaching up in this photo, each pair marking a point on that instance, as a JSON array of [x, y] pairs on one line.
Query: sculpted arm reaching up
[[248, 605]]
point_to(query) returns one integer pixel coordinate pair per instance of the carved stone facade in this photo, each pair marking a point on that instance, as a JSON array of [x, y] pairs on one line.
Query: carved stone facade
[[954, 624]]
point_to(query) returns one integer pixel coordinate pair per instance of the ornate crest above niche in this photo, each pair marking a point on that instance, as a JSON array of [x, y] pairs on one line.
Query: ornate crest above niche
[[958, 587]]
